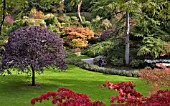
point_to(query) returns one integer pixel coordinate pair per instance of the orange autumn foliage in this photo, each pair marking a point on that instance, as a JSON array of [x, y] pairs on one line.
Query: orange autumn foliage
[[77, 37]]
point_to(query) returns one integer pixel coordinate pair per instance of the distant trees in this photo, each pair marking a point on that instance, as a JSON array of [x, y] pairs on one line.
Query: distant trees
[[85, 7], [31, 49], [145, 20]]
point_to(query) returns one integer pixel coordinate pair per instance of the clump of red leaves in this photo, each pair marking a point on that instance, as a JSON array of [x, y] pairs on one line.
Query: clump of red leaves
[[129, 97], [66, 97], [156, 77], [127, 94]]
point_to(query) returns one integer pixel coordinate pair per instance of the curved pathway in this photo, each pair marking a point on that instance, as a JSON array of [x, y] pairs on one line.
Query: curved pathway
[[89, 60]]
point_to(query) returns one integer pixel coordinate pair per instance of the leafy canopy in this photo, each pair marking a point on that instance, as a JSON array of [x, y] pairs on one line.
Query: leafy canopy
[[33, 47]]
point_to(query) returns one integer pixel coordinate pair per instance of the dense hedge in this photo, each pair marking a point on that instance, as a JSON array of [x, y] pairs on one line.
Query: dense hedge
[[96, 68]]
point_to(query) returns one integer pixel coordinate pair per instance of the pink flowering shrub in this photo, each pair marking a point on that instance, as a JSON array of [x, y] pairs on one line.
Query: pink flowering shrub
[[9, 19], [128, 96]]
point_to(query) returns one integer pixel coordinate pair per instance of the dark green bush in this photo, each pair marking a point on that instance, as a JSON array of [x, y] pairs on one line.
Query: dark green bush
[[99, 48], [117, 61], [136, 63]]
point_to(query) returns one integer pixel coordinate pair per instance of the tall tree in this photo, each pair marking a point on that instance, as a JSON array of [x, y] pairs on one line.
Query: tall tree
[[124, 7], [152, 28], [127, 44], [79, 10], [78, 3]]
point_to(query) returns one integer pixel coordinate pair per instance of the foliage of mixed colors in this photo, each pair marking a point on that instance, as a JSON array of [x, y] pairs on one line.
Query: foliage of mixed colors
[[128, 96]]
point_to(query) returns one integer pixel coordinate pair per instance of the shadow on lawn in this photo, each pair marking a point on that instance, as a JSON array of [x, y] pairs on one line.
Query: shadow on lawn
[[15, 87]]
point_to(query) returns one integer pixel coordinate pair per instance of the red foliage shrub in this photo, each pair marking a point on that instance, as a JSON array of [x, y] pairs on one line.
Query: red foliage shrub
[[127, 97], [127, 93], [156, 77], [66, 97]]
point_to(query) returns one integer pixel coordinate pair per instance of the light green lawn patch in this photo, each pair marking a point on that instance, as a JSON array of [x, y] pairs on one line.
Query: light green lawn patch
[[78, 57], [14, 89]]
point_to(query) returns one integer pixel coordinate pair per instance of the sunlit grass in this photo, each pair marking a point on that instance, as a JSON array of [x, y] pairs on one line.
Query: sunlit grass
[[14, 89]]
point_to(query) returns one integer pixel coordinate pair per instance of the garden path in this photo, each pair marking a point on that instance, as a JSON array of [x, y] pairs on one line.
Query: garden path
[[89, 60]]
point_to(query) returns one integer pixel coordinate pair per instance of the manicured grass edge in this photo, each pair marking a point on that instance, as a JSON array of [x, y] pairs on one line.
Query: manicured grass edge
[[95, 68]]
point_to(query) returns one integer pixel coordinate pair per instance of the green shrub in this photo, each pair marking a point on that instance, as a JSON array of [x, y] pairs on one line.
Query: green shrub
[[51, 20], [54, 29], [86, 24], [117, 61], [136, 63], [118, 47], [70, 55], [96, 24], [106, 24], [88, 16], [74, 18], [67, 18], [99, 48], [26, 22]]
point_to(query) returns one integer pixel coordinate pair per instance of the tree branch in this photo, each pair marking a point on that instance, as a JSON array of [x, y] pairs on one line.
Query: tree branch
[[3, 18]]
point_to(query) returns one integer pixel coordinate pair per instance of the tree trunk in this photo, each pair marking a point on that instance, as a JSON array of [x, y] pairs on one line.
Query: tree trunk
[[127, 39], [33, 76], [78, 10], [3, 18]]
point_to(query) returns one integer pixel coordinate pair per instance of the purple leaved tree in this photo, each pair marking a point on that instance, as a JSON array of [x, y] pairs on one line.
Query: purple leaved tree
[[32, 49]]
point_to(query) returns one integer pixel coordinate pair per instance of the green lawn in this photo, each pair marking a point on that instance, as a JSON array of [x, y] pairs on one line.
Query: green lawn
[[14, 89], [78, 57]]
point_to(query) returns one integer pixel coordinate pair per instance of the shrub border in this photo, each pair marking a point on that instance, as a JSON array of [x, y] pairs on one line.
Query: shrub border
[[96, 68]]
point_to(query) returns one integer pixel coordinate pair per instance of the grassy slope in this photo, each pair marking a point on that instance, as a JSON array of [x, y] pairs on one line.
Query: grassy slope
[[15, 92]]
